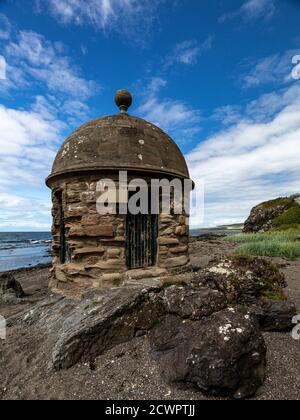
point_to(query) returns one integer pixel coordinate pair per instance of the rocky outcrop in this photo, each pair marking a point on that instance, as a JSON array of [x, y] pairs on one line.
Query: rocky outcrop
[[244, 280], [223, 354], [184, 323], [253, 282], [205, 334], [10, 289], [263, 217], [193, 303]]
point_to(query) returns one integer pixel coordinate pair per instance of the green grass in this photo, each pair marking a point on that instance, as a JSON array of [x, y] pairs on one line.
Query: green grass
[[288, 218], [154, 323], [269, 244], [285, 201]]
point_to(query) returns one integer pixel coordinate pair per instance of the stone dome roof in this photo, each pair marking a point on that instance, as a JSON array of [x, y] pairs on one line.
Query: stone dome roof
[[119, 142]]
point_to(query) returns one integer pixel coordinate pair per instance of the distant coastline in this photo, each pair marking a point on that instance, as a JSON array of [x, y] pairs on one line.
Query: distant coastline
[[218, 230]]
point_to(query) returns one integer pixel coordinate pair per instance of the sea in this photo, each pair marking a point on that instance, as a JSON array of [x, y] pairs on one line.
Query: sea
[[214, 231], [24, 250], [29, 249]]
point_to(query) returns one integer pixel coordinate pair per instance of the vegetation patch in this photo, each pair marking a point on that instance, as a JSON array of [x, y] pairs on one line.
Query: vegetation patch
[[271, 280], [169, 284], [275, 243], [283, 201], [154, 323], [288, 218]]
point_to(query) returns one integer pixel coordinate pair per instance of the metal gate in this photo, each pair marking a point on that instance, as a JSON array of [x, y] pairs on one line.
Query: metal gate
[[141, 240]]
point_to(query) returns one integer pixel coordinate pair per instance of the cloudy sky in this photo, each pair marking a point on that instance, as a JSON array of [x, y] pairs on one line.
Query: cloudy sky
[[220, 76]]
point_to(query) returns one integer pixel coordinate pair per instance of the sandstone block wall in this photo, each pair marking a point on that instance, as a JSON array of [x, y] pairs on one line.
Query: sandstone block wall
[[97, 242]]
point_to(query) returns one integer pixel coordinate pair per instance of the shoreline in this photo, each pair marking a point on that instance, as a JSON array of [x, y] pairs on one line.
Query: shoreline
[[27, 269], [207, 235], [32, 380]]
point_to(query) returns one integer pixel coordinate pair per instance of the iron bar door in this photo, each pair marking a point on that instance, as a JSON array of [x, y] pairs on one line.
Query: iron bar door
[[141, 240]]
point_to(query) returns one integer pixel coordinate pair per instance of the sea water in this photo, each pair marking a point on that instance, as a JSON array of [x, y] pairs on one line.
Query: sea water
[[24, 250]]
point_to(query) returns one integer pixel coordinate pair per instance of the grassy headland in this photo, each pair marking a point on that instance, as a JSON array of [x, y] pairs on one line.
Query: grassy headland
[[283, 238]]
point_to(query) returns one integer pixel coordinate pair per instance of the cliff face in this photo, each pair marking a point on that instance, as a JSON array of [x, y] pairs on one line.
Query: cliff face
[[275, 213]]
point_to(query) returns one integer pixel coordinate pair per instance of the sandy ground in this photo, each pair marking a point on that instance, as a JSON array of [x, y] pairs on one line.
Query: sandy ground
[[127, 371]]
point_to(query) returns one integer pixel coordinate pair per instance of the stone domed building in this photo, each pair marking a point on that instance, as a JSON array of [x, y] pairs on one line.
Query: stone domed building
[[92, 249]]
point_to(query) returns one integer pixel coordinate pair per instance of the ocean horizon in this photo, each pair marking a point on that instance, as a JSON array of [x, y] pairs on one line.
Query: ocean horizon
[[24, 249], [29, 249]]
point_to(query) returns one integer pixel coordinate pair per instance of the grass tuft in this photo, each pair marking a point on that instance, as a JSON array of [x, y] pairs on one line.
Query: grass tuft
[[270, 244]]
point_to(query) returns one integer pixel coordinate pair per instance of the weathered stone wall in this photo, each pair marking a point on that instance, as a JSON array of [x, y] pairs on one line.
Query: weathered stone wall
[[97, 242], [173, 241]]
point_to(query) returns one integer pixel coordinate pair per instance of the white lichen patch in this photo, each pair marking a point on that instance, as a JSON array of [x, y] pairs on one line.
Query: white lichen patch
[[225, 329], [65, 150], [80, 139], [221, 269], [142, 142], [228, 330], [140, 157]]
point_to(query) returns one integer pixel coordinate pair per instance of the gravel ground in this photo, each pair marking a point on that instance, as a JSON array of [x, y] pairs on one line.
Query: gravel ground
[[127, 372]]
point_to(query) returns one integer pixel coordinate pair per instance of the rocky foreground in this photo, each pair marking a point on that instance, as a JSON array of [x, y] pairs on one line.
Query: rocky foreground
[[203, 340]]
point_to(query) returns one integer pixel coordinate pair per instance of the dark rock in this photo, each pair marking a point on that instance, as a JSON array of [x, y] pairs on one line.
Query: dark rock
[[108, 318], [262, 216], [193, 303], [223, 354], [195, 340], [207, 237], [244, 280], [277, 316], [10, 289]]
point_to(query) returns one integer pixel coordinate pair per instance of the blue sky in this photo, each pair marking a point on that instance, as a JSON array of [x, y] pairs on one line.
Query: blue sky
[[221, 76]]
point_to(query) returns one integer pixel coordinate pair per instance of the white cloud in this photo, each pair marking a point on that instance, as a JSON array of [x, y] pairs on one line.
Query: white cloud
[[227, 114], [28, 143], [2, 68], [251, 161], [251, 10], [20, 213], [173, 116], [30, 136], [131, 18], [5, 27], [188, 52], [296, 69], [25, 136], [273, 69], [37, 59]]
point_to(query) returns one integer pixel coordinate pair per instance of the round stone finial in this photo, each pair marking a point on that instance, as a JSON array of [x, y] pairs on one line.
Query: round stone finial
[[123, 100]]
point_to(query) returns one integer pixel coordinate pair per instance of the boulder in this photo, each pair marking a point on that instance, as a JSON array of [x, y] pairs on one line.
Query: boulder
[[196, 339], [254, 282], [100, 321], [10, 289], [192, 303], [277, 316], [222, 355], [243, 279]]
